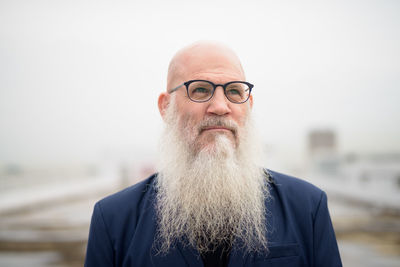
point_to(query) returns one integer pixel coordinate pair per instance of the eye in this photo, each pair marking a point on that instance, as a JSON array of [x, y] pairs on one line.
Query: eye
[[200, 90], [235, 91]]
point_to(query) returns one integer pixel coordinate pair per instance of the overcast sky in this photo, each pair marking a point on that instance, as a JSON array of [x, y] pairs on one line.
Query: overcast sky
[[80, 78]]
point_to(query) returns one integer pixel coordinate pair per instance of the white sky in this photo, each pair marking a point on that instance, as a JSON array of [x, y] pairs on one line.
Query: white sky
[[80, 78]]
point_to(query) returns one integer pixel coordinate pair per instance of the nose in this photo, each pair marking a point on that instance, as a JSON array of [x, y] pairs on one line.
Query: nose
[[219, 104]]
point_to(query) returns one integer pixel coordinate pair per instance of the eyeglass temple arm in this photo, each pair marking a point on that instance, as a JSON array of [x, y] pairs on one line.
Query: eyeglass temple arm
[[176, 88]]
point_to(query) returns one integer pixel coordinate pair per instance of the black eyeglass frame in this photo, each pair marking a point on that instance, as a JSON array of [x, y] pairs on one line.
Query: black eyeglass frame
[[224, 86]]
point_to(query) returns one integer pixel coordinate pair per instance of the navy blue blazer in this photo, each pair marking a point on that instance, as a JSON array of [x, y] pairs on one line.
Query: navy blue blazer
[[300, 231]]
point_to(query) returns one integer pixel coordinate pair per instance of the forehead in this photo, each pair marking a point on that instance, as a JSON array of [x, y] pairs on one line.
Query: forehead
[[210, 62]]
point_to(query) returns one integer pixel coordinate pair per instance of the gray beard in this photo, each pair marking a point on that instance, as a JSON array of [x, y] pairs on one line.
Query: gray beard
[[209, 196]]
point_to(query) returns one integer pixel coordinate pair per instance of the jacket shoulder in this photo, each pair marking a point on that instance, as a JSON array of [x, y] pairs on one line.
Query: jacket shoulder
[[128, 199], [302, 208], [115, 220], [296, 191], [290, 183]]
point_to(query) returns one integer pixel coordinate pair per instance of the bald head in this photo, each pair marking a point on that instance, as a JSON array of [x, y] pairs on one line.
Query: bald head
[[204, 60], [211, 58]]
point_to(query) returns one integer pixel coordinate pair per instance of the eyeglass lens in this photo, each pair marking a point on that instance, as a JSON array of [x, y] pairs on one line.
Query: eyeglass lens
[[202, 91]]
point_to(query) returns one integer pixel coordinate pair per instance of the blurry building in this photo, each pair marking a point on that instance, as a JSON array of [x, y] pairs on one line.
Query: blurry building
[[322, 148], [371, 179]]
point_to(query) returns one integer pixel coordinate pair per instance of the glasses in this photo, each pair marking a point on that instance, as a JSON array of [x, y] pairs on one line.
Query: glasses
[[237, 92]]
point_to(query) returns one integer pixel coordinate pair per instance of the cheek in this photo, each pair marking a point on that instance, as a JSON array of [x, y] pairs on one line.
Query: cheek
[[240, 114], [193, 112], [188, 126]]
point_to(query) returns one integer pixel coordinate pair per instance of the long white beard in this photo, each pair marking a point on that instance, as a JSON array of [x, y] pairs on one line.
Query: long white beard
[[209, 196]]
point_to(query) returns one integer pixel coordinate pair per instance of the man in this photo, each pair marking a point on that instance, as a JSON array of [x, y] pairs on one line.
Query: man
[[211, 204]]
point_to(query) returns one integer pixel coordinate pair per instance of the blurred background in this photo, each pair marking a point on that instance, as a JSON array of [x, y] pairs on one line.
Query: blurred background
[[79, 81]]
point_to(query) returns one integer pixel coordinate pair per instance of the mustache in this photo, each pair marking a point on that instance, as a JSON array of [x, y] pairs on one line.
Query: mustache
[[220, 122]]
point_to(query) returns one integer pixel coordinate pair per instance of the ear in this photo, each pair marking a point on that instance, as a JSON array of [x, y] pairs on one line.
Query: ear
[[163, 102], [251, 101]]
